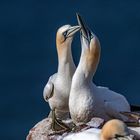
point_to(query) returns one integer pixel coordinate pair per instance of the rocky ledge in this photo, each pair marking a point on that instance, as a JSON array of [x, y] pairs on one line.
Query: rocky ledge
[[43, 131]]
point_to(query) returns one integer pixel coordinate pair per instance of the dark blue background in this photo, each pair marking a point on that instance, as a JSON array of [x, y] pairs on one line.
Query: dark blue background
[[28, 54]]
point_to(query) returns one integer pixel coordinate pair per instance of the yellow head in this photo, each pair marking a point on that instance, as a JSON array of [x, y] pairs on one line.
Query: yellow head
[[114, 129], [64, 38], [90, 47]]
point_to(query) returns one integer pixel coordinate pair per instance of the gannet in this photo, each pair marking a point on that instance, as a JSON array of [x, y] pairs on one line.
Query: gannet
[[57, 89], [112, 130], [86, 99]]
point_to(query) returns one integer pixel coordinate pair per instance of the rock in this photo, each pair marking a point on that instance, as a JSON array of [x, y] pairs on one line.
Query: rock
[[42, 130], [96, 122]]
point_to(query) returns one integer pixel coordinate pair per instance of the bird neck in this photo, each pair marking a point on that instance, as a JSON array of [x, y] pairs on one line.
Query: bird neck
[[88, 63], [65, 61]]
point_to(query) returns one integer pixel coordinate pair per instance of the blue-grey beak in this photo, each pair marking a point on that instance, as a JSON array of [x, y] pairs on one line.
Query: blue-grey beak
[[85, 31]]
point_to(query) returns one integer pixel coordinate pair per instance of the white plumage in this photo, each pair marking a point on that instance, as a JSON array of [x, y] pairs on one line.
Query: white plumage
[[112, 130], [86, 99], [57, 89]]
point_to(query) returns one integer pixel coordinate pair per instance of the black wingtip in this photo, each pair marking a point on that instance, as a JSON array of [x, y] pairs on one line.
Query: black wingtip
[[135, 107]]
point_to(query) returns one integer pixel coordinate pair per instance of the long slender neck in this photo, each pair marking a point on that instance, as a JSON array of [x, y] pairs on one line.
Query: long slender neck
[[65, 60], [88, 63], [82, 70]]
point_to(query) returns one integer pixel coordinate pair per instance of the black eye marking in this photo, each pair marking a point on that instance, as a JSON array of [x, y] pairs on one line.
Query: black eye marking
[[117, 136], [65, 34], [91, 35]]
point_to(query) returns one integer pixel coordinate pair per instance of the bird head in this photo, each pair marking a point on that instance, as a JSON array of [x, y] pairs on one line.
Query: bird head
[[65, 35], [90, 45], [115, 130]]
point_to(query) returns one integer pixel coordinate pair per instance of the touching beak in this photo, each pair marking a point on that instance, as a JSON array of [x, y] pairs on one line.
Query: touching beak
[[72, 30], [85, 31]]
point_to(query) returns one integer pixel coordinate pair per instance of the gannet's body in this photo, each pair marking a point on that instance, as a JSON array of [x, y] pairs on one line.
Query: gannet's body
[[112, 130], [86, 99], [57, 90]]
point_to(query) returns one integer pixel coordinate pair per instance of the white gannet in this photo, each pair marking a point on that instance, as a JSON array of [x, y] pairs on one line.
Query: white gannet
[[112, 130], [57, 89], [86, 99]]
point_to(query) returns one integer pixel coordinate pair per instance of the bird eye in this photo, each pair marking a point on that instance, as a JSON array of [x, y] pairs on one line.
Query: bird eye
[[65, 33], [91, 35], [118, 136]]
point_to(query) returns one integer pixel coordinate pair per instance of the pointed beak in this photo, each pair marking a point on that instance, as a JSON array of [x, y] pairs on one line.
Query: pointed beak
[[72, 30], [85, 31], [125, 138]]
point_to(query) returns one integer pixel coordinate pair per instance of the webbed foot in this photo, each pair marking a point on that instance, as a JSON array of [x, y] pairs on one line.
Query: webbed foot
[[57, 124]]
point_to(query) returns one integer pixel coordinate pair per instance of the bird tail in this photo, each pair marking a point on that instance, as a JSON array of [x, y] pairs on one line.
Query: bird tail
[[135, 108], [133, 118]]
